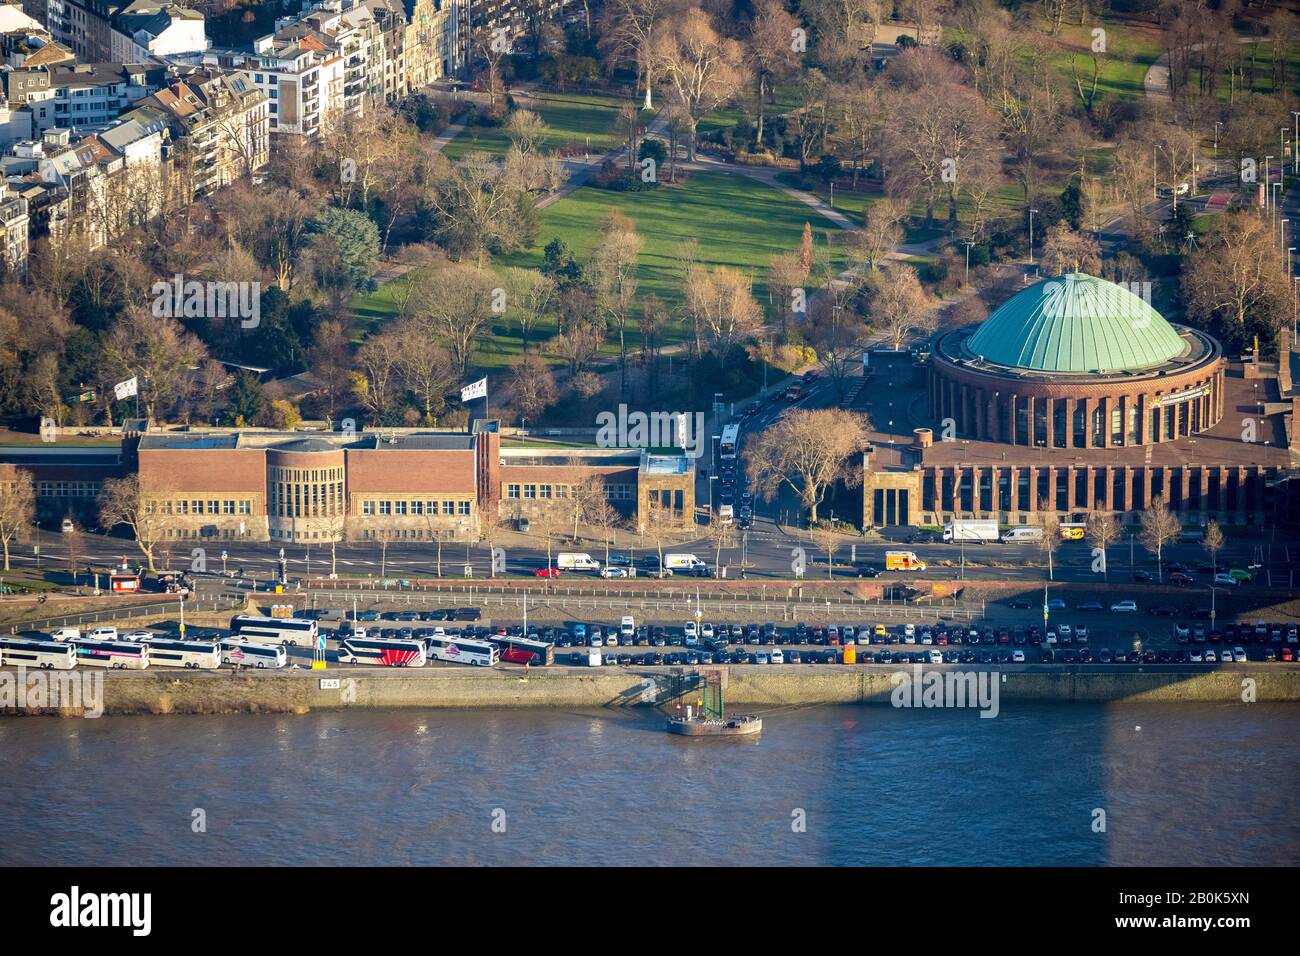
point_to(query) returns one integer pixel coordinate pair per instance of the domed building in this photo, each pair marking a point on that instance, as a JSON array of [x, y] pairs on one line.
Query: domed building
[[1077, 395], [1076, 362]]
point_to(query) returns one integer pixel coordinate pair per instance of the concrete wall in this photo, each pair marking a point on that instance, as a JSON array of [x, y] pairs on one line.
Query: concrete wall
[[175, 692]]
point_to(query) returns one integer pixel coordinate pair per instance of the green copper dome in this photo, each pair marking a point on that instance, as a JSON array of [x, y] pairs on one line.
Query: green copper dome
[[1076, 323]]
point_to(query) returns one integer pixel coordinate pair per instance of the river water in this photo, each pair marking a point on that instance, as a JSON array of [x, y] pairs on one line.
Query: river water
[[1179, 785]]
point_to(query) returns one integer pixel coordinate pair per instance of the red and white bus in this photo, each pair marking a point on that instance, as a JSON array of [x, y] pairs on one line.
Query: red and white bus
[[524, 650], [386, 652]]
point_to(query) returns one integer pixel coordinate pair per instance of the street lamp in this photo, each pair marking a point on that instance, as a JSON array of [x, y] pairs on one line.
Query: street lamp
[[1031, 235], [1268, 176], [1216, 148], [1295, 138]]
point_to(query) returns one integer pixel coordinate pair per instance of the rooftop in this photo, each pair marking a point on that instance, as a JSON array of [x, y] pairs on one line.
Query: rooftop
[[1076, 323]]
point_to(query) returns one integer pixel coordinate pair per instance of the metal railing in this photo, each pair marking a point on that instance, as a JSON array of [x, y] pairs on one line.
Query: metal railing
[[194, 606]]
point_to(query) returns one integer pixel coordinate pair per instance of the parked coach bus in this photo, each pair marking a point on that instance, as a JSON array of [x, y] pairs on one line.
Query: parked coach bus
[[386, 652], [115, 654], [236, 650], [25, 652], [167, 652], [523, 650], [463, 650], [275, 630]]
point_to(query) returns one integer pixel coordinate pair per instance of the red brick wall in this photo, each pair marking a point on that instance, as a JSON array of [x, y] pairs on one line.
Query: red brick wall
[[180, 471], [392, 470]]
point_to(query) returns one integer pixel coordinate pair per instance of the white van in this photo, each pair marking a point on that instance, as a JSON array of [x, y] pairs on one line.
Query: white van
[[683, 562], [627, 629], [593, 658], [1024, 533], [691, 634], [65, 634], [576, 561], [103, 633]]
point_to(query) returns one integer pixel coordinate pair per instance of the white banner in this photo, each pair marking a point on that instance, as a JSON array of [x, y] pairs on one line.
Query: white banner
[[125, 389], [474, 390]]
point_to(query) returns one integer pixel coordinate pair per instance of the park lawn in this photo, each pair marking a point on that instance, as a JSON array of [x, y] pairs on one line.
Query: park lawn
[[737, 221], [1130, 51], [575, 119], [786, 99]]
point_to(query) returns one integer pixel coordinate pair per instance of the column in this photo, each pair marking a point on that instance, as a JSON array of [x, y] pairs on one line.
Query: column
[[1070, 404], [1087, 421], [1126, 489], [1031, 433], [992, 422], [1204, 502], [1011, 417], [1186, 486], [1071, 477], [1050, 405], [1106, 405], [1032, 506], [1147, 474]]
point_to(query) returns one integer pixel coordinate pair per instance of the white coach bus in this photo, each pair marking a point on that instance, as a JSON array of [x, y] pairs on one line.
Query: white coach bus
[[236, 650], [25, 652], [463, 650], [275, 630], [167, 652], [118, 655], [386, 652]]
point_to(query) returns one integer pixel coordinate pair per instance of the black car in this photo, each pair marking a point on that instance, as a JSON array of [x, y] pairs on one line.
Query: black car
[[1166, 610], [801, 632], [467, 614], [1143, 576], [654, 659], [924, 537], [868, 571], [1020, 604]]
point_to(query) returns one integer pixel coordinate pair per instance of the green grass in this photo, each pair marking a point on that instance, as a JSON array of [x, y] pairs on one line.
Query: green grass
[[737, 221], [575, 120]]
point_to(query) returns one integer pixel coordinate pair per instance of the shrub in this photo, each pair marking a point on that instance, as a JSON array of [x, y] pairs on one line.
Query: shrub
[[761, 158]]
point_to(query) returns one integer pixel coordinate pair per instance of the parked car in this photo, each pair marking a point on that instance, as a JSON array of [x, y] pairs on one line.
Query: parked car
[[546, 572], [1090, 606], [1124, 607]]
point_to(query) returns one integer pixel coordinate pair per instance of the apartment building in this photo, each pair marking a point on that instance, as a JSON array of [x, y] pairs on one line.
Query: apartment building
[[219, 126], [13, 229], [128, 31], [79, 95]]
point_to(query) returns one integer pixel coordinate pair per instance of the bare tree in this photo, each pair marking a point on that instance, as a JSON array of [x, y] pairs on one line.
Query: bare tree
[[452, 305], [17, 507], [532, 386], [126, 501], [1213, 542], [1046, 518], [721, 535], [1160, 526], [661, 523], [900, 306], [1101, 531], [702, 68], [827, 538], [809, 451]]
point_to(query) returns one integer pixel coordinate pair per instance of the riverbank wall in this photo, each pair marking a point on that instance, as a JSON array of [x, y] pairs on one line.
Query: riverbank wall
[[158, 691]]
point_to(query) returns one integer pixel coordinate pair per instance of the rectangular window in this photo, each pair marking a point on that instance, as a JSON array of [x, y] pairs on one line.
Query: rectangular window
[[245, 507], [385, 507], [512, 491], [530, 491], [544, 491], [448, 507], [399, 507], [196, 507], [462, 507], [227, 507], [367, 507], [417, 507]]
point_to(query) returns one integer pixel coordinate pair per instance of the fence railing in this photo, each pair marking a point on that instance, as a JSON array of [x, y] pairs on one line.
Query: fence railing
[[193, 606], [676, 602]]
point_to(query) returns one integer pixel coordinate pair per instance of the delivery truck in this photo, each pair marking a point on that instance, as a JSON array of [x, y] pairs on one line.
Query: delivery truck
[[970, 531], [684, 562], [576, 561], [903, 561]]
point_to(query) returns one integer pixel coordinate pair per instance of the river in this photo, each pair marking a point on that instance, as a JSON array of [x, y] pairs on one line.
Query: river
[[843, 785]]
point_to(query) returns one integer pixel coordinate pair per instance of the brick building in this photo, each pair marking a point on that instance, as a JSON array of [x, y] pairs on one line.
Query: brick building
[[1077, 394], [407, 485]]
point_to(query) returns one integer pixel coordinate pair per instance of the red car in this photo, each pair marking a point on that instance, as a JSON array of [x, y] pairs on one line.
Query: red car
[[1180, 578], [1285, 654], [547, 572]]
